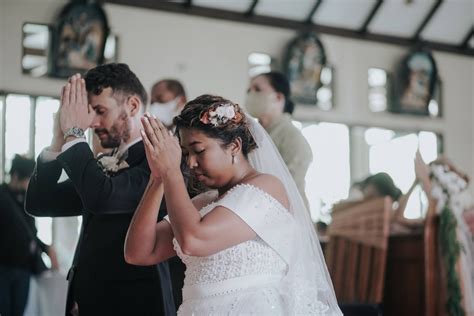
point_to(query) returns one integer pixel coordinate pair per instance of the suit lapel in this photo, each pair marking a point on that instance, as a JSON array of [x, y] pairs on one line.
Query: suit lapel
[[136, 154]]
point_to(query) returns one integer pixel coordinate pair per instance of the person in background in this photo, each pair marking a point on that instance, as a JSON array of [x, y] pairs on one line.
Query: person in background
[[20, 248], [376, 185], [380, 184], [268, 100], [167, 99]]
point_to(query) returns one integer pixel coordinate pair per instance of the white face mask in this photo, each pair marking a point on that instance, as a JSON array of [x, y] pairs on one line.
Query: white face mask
[[165, 112], [260, 103]]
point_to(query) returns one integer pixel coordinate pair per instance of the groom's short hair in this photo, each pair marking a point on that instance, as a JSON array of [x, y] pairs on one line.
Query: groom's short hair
[[117, 76]]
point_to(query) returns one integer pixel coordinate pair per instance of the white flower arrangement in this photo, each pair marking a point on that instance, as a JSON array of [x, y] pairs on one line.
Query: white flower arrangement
[[449, 187], [110, 165]]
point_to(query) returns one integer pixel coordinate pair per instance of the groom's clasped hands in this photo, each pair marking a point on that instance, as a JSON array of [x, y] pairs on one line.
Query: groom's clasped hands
[[75, 109], [162, 149]]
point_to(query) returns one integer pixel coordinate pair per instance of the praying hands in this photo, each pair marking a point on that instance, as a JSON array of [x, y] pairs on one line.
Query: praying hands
[[162, 149]]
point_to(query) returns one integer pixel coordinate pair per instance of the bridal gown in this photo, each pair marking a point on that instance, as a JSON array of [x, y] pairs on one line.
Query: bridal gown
[[248, 278]]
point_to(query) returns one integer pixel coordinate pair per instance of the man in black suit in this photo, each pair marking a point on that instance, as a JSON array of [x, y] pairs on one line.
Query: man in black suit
[[105, 192]]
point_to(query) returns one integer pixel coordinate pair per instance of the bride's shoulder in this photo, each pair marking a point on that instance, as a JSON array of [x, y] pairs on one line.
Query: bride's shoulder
[[204, 199], [272, 186]]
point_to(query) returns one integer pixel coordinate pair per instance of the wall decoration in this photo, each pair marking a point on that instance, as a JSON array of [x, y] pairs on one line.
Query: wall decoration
[[415, 83], [78, 39], [304, 62]]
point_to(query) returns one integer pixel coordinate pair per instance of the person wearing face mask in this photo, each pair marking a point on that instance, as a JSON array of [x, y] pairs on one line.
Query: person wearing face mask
[[167, 100], [268, 100], [20, 248]]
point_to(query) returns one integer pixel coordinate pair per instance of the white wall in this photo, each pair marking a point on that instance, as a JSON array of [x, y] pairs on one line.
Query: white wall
[[211, 56], [13, 14], [2, 37]]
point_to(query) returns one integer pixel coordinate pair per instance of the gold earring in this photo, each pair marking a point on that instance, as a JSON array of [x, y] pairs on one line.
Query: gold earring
[[233, 159]]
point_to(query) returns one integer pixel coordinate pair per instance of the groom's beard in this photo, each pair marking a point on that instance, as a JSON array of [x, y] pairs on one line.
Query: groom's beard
[[120, 131]]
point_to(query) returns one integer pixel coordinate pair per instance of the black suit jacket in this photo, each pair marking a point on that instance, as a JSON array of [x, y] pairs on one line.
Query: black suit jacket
[[107, 205]]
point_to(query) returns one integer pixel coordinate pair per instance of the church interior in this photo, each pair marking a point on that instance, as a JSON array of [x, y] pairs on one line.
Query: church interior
[[383, 94]]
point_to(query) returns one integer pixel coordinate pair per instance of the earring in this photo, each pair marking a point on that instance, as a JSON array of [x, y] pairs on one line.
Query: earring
[[233, 159]]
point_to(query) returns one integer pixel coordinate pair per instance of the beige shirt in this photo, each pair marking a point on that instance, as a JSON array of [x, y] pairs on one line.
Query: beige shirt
[[293, 148]]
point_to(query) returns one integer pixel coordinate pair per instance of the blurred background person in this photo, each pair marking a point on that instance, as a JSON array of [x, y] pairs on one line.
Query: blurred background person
[[381, 185], [269, 100], [20, 248], [167, 99], [378, 185]]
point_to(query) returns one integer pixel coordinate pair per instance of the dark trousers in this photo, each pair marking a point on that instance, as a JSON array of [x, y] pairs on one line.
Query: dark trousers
[[177, 270], [120, 297], [14, 287]]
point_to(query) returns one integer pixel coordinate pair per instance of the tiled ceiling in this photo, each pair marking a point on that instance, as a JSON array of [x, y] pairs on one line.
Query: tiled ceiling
[[230, 5], [345, 14], [285, 9], [450, 24], [445, 24], [400, 18]]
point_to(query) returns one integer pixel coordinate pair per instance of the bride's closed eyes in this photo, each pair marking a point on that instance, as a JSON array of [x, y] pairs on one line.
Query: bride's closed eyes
[[195, 151]]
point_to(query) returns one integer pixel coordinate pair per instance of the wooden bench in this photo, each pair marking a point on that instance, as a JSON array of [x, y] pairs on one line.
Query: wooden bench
[[415, 283], [357, 251]]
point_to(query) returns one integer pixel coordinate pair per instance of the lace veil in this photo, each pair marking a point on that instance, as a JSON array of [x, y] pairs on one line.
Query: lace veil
[[307, 287]]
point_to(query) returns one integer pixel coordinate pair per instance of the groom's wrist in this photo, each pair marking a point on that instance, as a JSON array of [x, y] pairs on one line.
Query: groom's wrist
[[56, 144]]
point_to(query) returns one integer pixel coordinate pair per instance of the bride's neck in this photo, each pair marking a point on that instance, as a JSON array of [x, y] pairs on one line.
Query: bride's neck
[[244, 172]]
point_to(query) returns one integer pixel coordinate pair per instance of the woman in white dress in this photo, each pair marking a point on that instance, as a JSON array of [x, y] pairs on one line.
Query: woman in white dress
[[248, 245]]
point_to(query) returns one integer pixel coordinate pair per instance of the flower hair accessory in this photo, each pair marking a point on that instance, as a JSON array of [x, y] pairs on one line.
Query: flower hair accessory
[[220, 115]]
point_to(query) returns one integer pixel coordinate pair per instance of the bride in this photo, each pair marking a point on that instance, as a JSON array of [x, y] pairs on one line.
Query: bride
[[249, 245]]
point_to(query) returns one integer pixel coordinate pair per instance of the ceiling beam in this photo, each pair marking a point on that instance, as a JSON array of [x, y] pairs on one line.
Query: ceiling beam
[[290, 24], [315, 8], [370, 17], [465, 41], [251, 9], [427, 18]]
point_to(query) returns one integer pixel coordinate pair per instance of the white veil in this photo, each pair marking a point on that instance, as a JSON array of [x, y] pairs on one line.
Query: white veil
[[307, 287]]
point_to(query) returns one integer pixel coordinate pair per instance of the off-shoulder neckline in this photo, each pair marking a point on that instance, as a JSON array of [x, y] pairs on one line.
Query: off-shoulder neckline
[[251, 186]]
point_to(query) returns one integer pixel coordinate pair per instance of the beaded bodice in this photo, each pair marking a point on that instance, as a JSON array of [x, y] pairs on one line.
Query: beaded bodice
[[253, 257]]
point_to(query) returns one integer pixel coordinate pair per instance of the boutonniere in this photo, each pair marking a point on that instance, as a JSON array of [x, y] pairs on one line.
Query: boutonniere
[[111, 164]]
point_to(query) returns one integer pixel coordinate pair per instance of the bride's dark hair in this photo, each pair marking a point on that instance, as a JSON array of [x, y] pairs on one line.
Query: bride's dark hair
[[200, 114]]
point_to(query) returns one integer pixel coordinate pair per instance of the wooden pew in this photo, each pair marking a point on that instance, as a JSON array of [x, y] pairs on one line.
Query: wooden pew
[[415, 283], [435, 281], [357, 252]]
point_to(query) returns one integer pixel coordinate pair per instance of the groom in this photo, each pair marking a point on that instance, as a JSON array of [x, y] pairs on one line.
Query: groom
[[105, 192]]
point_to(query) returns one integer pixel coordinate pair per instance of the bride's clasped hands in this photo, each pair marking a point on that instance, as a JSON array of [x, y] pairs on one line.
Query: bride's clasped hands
[[162, 149]]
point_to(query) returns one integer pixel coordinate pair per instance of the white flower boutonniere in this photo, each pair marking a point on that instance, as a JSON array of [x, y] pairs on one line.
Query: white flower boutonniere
[[110, 165]]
